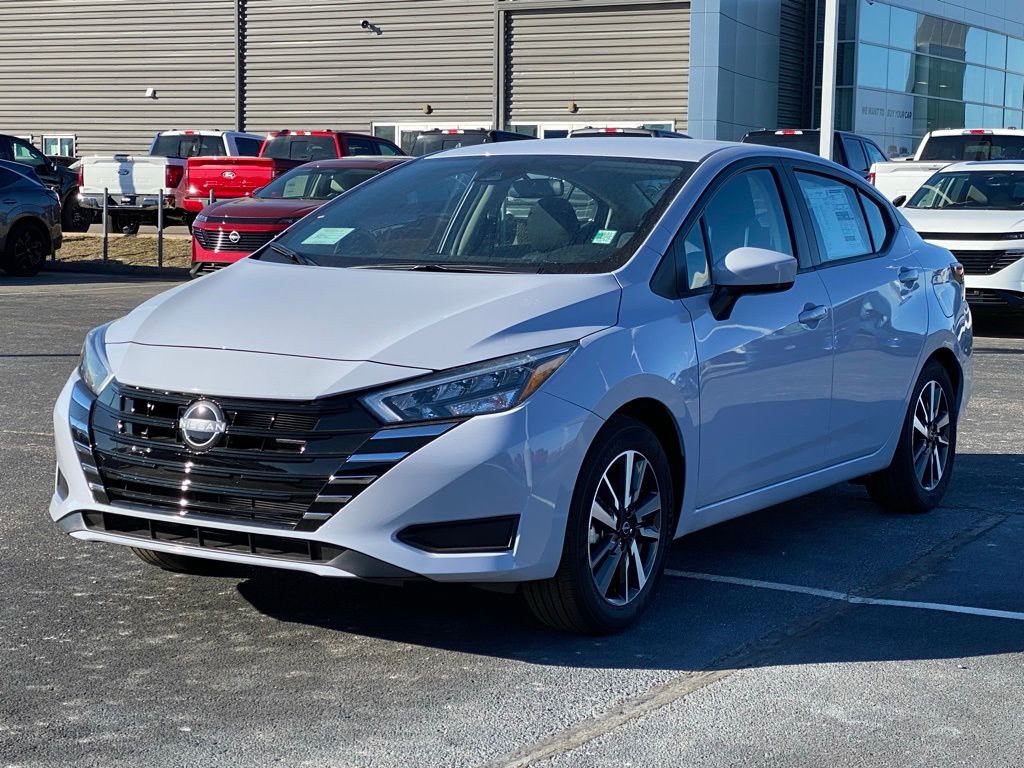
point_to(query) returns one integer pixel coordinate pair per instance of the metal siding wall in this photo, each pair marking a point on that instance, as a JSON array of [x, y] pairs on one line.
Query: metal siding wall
[[618, 63], [309, 64], [795, 26], [82, 67]]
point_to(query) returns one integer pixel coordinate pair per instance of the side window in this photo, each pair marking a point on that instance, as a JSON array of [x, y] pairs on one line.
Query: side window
[[876, 221], [874, 154], [839, 224], [693, 270], [747, 211], [359, 146], [387, 149], [248, 147], [855, 155], [23, 153]]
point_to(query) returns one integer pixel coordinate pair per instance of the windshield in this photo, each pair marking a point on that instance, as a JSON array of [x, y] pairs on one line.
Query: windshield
[[305, 183], [183, 145], [992, 190], [305, 148], [510, 213], [969, 147]]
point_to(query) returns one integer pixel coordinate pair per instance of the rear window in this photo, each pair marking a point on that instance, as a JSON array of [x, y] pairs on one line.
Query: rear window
[[969, 147], [805, 142], [305, 148], [248, 147], [438, 142], [182, 145]]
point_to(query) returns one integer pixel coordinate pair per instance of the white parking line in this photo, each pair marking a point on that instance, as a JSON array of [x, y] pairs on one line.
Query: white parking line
[[844, 596]]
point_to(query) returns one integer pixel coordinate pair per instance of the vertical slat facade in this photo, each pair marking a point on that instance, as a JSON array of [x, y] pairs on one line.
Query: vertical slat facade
[[82, 67], [795, 46], [309, 63], [618, 63]]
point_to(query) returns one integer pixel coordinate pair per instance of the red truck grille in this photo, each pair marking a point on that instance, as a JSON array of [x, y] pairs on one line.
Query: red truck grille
[[231, 240]]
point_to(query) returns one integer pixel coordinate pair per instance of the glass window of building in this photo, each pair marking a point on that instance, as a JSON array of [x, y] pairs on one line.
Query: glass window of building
[[874, 22], [903, 29], [995, 84], [995, 52], [899, 71], [1015, 54], [873, 67], [974, 45], [1014, 92]]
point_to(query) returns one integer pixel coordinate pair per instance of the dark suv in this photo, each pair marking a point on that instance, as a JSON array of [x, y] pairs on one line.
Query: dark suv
[[439, 139], [60, 179], [856, 152]]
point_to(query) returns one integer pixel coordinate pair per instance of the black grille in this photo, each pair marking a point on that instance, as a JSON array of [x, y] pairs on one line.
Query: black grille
[[986, 298], [285, 548], [220, 240], [986, 262], [271, 464], [971, 236]]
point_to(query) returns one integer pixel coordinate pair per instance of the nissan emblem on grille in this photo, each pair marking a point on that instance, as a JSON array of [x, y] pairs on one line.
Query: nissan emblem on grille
[[202, 424], [234, 237]]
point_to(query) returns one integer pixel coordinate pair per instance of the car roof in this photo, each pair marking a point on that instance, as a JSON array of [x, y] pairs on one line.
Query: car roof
[[985, 165], [693, 150], [972, 131]]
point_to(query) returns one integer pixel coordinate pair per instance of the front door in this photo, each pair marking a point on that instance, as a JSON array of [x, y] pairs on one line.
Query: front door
[[766, 370]]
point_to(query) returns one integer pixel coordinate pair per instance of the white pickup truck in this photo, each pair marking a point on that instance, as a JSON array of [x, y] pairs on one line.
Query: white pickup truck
[[133, 183], [898, 180]]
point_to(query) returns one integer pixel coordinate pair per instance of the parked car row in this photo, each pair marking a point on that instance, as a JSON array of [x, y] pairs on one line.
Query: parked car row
[[30, 220]]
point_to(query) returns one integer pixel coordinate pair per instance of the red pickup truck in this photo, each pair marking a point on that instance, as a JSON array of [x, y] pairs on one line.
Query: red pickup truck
[[231, 177]]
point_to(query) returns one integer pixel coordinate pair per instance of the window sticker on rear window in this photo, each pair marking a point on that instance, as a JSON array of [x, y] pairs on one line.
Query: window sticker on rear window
[[327, 236], [604, 236]]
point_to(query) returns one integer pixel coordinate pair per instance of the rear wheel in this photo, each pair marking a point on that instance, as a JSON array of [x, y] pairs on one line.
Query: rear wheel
[[619, 529], [919, 474], [127, 225], [26, 250], [73, 217]]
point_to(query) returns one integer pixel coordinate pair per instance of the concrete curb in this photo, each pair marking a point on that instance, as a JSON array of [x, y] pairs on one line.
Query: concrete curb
[[116, 268]]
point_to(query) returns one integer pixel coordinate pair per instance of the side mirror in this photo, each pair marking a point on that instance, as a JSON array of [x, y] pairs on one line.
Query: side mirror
[[899, 200], [749, 270]]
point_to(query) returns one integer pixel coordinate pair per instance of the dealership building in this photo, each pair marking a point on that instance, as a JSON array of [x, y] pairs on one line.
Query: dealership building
[[99, 76]]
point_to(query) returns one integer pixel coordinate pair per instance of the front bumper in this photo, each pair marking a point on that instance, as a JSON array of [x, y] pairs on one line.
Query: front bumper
[[521, 464]]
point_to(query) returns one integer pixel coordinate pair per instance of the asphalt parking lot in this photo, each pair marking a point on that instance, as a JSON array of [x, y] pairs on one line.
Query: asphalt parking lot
[[819, 632]]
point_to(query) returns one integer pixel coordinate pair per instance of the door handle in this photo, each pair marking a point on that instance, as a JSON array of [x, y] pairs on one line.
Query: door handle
[[812, 314], [8, 202], [908, 276]]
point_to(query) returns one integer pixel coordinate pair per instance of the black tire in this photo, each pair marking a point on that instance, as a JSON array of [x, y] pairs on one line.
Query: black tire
[[571, 601], [181, 563], [73, 217], [26, 250], [901, 487], [127, 225]]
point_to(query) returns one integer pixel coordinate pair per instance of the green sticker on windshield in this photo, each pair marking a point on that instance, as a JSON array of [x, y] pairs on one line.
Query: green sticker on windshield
[[605, 236], [327, 236]]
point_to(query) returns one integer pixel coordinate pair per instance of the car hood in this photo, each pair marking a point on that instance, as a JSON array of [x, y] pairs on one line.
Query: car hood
[[421, 320], [259, 208], [961, 220]]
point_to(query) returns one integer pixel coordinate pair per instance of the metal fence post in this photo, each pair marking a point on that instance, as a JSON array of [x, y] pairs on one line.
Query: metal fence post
[[160, 230], [106, 223], [212, 199]]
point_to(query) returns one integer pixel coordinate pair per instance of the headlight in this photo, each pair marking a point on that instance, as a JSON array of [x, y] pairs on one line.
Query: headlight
[[200, 217], [489, 387], [94, 367]]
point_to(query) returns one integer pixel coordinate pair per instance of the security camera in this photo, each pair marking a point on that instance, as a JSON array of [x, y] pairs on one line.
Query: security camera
[[365, 23]]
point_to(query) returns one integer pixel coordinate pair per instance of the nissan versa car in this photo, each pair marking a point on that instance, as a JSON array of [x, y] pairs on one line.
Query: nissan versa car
[[977, 210], [529, 363]]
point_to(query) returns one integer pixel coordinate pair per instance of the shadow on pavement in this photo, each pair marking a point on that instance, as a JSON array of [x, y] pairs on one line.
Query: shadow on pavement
[[836, 539]]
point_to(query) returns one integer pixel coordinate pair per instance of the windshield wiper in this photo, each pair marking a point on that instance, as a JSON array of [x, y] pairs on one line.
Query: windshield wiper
[[292, 256], [431, 267]]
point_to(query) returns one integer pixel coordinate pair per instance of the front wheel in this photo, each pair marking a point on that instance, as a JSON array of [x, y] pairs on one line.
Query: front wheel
[[73, 217], [919, 474], [617, 534]]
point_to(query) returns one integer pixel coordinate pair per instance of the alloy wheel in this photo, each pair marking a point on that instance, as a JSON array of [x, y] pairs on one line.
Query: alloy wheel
[[28, 250], [625, 528], [931, 435]]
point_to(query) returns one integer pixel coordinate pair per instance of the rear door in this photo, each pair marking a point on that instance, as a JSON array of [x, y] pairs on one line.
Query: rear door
[[766, 370], [879, 307]]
